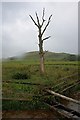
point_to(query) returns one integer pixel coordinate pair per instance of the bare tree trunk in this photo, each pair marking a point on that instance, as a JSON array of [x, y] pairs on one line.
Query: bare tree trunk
[[41, 40], [42, 63], [41, 52]]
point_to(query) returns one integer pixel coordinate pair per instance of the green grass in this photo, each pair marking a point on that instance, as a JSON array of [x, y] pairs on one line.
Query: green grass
[[54, 71]]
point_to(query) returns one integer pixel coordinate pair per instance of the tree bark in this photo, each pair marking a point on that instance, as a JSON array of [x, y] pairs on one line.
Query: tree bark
[[42, 63], [41, 52]]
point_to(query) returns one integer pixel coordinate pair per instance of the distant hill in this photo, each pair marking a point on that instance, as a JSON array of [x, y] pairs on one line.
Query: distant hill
[[51, 56], [34, 55]]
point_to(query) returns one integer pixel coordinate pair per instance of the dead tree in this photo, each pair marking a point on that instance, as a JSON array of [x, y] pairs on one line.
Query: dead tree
[[40, 36]]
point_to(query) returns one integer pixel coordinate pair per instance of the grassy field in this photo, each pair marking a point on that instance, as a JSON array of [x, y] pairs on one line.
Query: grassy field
[[28, 72]]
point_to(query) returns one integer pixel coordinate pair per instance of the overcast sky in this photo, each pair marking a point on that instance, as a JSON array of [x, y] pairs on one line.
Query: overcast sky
[[19, 34]]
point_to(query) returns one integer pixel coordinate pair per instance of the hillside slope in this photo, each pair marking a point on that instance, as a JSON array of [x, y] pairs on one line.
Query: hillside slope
[[51, 56]]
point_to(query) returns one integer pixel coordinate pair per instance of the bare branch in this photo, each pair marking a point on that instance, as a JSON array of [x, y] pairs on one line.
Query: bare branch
[[46, 38], [33, 21], [43, 13], [50, 17], [37, 19], [43, 17], [47, 24], [43, 22]]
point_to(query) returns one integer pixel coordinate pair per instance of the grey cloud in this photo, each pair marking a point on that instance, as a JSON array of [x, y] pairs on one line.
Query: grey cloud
[[20, 34]]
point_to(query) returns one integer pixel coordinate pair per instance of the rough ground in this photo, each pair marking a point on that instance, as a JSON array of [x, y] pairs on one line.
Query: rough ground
[[40, 114], [29, 114]]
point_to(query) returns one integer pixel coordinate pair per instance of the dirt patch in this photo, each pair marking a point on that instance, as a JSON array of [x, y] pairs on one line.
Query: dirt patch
[[29, 114]]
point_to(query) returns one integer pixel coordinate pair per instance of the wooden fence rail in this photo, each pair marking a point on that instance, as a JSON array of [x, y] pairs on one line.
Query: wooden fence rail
[[62, 96]]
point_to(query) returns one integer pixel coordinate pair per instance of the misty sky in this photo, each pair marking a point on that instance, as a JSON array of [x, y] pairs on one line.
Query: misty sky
[[19, 34]]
